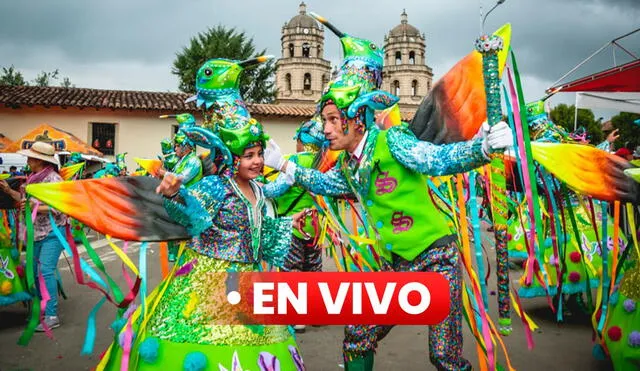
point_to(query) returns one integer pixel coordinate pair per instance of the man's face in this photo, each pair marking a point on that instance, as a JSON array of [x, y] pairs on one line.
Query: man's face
[[332, 124], [181, 150]]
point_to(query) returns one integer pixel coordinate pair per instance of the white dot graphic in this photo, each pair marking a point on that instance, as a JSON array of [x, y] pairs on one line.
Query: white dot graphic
[[233, 297]]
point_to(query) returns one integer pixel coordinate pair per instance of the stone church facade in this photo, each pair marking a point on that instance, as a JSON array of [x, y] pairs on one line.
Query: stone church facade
[[302, 72]]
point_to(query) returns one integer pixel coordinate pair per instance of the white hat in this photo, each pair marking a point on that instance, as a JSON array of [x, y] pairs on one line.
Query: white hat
[[42, 151]]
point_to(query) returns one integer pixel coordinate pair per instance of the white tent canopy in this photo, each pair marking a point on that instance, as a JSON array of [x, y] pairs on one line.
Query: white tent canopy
[[624, 102]]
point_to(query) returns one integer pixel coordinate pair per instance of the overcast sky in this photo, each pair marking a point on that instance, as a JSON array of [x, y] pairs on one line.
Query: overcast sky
[[131, 44]]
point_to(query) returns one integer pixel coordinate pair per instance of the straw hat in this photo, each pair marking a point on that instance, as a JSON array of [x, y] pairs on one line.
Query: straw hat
[[42, 151]]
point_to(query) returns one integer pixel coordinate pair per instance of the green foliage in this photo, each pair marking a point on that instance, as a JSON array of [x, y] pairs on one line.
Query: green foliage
[[12, 77], [564, 116], [256, 84], [628, 131], [45, 78]]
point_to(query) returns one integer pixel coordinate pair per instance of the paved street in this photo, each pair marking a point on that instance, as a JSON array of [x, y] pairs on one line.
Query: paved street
[[557, 348]]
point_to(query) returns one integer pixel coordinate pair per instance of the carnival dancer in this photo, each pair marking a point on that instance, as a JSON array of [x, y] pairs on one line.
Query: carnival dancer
[[188, 167], [121, 164], [305, 254], [571, 257], [385, 170], [185, 322], [47, 248]]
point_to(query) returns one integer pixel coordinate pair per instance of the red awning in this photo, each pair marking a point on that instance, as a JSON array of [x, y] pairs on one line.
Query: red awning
[[625, 78]]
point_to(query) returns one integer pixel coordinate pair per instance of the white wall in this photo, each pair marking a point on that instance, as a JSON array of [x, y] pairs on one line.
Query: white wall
[[137, 132]]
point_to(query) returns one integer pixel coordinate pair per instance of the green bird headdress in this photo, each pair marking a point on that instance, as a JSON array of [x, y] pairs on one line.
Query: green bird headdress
[[356, 88], [231, 127]]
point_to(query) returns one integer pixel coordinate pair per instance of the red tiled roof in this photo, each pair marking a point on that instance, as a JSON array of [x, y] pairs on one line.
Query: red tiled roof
[[54, 96]]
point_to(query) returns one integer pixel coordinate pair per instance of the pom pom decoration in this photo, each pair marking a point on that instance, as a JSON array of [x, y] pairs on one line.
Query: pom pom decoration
[[598, 352], [195, 361], [629, 305], [20, 271], [118, 324], [574, 277], [634, 339], [575, 257], [149, 350], [614, 333], [5, 288]]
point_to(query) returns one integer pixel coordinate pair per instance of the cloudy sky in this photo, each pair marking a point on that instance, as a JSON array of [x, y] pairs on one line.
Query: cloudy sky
[[131, 44]]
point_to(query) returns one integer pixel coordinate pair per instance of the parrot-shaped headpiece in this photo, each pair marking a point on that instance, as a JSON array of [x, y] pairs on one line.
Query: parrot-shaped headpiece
[[311, 134], [359, 79], [232, 128], [362, 59], [120, 160]]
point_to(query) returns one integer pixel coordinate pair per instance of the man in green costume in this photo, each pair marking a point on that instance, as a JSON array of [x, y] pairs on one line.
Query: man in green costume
[[387, 171]]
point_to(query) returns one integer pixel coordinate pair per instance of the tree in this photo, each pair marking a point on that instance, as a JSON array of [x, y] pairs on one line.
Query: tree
[[629, 131], [66, 83], [256, 84], [44, 78], [564, 116], [11, 77]]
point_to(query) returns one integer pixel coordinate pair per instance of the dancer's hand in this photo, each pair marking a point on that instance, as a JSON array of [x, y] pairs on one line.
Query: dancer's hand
[[496, 138], [299, 221], [170, 185], [613, 136], [273, 156]]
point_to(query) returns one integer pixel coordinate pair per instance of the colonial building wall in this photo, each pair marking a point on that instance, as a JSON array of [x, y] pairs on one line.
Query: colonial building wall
[[136, 132]]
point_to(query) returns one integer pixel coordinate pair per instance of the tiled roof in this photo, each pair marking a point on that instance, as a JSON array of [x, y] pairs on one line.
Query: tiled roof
[[53, 96]]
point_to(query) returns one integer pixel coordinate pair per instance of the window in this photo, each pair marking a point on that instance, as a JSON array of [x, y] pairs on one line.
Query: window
[[291, 50], [325, 80], [398, 58], [103, 138], [412, 57], [307, 81], [287, 82], [414, 88], [306, 50], [396, 88], [175, 129]]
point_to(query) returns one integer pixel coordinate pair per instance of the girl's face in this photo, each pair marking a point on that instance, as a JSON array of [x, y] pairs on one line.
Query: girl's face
[[251, 163]]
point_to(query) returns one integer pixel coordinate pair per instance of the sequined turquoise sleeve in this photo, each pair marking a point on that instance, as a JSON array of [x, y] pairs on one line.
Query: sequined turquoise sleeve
[[276, 237], [605, 146], [431, 159], [276, 188], [194, 207], [332, 183]]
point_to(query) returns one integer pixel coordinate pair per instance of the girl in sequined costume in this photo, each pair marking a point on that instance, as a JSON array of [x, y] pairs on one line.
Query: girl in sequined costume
[[189, 327]]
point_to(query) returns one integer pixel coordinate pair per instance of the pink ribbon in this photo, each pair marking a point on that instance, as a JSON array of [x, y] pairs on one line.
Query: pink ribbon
[[525, 175]]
